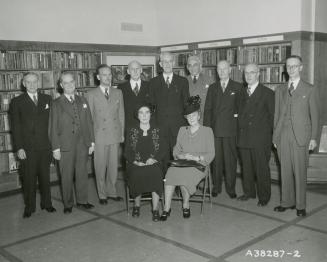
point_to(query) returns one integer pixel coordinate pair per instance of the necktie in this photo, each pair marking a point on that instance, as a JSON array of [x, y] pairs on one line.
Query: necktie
[[35, 99], [167, 81], [249, 90], [223, 86], [194, 79], [71, 99], [291, 89], [106, 93], [136, 89]]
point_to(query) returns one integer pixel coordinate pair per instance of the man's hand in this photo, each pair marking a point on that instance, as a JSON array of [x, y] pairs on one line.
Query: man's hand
[[151, 161], [138, 163], [21, 154], [91, 149], [312, 145], [56, 154]]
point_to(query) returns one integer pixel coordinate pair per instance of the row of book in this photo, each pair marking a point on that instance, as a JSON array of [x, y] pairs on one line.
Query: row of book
[[5, 142], [5, 99], [208, 58], [13, 80], [274, 74], [72, 60], [82, 78], [25, 60], [180, 59], [4, 123], [229, 54]]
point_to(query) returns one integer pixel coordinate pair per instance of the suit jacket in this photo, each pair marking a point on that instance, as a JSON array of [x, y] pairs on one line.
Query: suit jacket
[[304, 112], [200, 87], [29, 123], [108, 115], [255, 117], [170, 102], [131, 101], [63, 123], [220, 112]]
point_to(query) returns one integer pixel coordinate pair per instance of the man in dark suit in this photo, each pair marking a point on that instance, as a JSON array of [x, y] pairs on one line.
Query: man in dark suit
[[255, 125], [135, 92], [72, 138], [30, 119], [221, 115], [295, 133], [169, 92]]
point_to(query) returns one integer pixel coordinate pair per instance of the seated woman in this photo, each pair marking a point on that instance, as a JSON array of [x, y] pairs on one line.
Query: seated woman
[[144, 151], [194, 142]]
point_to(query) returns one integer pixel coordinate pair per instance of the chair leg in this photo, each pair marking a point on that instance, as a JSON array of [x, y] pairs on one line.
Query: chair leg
[[127, 199], [204, 192]]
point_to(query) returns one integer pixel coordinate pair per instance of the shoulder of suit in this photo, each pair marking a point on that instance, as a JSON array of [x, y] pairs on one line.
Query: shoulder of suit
[[306, 84], [123, 85], [207, 129]]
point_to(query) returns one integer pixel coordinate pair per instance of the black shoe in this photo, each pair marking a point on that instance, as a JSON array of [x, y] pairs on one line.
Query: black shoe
[[117, 198], [244, 198], [262, 203], [136, 211], [68, 210], [155, 215], [49, 209], [27, 214], [85, 206], [214, 194], [301, 212], [103, 201], [232, 196], [165, 215], [282, 209], [186, 212]]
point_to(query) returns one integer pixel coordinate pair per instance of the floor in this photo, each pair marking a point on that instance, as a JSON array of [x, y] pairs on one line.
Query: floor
[[228, 230]]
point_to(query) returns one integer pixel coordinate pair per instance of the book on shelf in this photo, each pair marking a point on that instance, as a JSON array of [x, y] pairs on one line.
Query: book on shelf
[[82, 78], [211, 73], [4, 123], [180, 59], [228, 54], [72, 60], [5, 142], [13, 162], [208, 57], [5, 99], [180, 72]]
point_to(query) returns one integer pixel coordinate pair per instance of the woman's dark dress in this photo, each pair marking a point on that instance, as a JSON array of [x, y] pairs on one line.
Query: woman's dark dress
[[143, 179]]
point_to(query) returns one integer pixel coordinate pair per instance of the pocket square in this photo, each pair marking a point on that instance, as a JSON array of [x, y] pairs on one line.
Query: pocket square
[[46, 106], [84, 105], [232, 93], [235, 115], [207, 86]]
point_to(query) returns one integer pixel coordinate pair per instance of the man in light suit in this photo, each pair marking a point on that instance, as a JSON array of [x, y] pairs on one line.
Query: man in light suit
[[221, 115], [197, 81], [135, 92], [295, 133], [72, 139], [29, 123], [107, 109], [169, 93], [254, 139]]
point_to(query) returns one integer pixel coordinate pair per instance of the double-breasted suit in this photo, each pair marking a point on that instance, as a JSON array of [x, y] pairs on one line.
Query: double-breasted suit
[[108, 118], [29, 125], [200, 88], [220, 114], [255, 126], [131, 101], [71, 132], [296, 123]]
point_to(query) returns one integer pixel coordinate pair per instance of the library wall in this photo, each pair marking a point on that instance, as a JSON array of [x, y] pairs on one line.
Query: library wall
[[321, 17], [81, 21], [221, 19]]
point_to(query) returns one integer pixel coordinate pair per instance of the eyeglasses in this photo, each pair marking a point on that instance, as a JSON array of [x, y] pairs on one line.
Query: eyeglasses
[[251, 73], [292, 66]]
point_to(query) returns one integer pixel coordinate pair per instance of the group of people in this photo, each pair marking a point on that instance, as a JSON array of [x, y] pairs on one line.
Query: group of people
[[167, 120]]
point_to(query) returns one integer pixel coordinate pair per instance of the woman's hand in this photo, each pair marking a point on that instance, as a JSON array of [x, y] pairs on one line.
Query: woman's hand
[[151, 161], [139, 163]]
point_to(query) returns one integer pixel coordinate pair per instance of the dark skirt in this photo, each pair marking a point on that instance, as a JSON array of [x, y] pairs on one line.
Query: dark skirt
[[144, 179]]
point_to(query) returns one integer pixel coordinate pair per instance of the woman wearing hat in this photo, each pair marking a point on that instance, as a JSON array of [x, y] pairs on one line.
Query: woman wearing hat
[[144, 151], [194, 142]]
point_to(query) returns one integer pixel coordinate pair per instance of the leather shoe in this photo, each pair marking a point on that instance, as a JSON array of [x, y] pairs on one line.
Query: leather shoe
[[85, 206], [301, 212], [117, 198], [186, 212], [155, 215], [136, 211], [103, 201], [165, 215], [232, 196], [262, 203], [49, 209], [244, 198], [214, 194], [282, 209], [27, 214], [68, 210]]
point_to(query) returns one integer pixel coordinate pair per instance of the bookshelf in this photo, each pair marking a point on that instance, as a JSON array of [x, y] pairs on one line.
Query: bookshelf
[[48, 64]]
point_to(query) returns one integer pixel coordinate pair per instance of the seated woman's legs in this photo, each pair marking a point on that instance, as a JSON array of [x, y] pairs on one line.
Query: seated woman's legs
[[169, 191], [186, 202], [155, 201], [136, 208]]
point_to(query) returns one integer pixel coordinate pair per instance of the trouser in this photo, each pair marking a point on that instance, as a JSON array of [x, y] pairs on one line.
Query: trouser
[[225, 163], [106, 169], [255, 170], [35, 167]]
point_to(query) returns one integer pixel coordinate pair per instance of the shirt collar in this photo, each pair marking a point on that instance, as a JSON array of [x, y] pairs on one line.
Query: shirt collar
[[69, 96], [226, 82], [103, 89], [133, 83], [31, 95], [168, 75], [295, 83], [253, 87]]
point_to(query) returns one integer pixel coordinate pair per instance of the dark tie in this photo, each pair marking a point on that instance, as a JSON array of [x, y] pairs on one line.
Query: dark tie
[[291, 89], [194, 79], [249, 90], [71, 99], [167, 81], [223, 86], [35, 99], [106, 93], [136, 89]]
